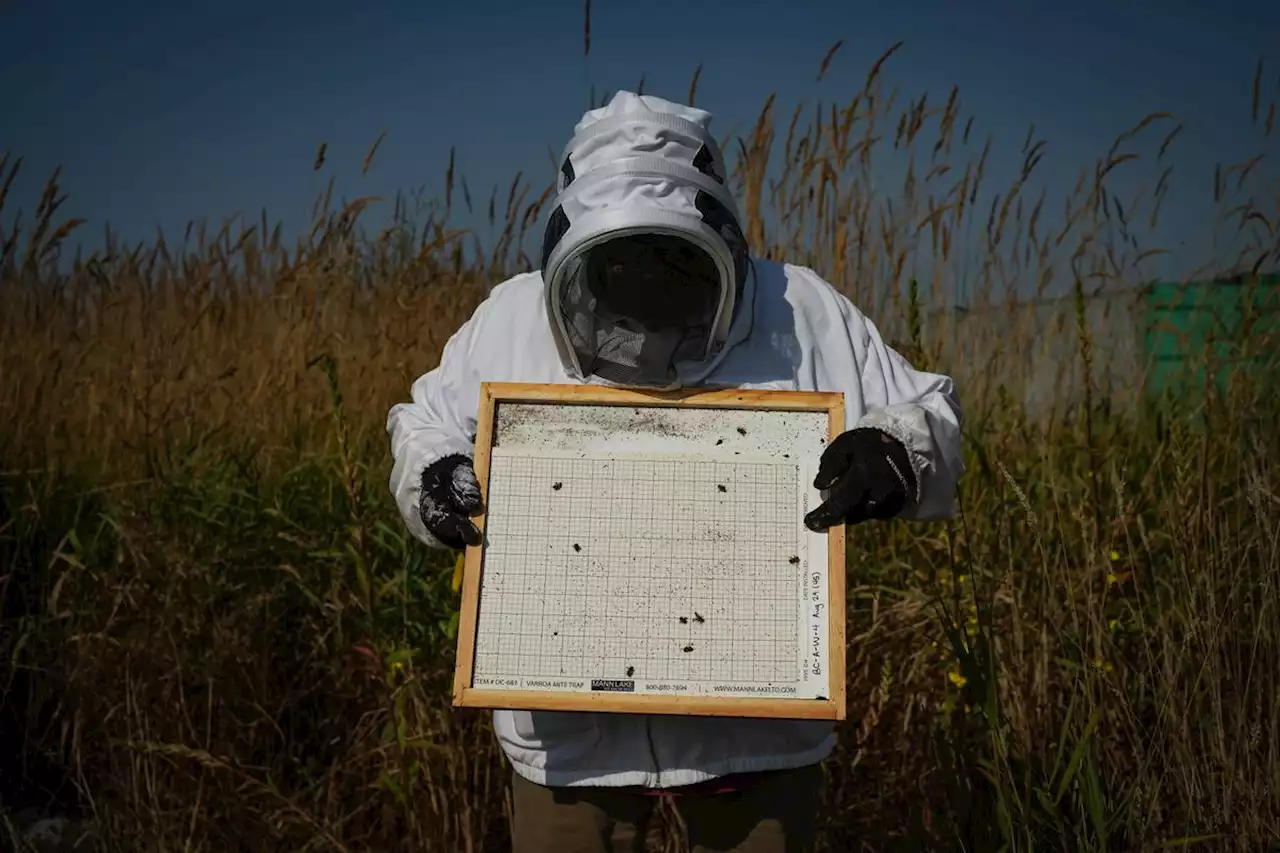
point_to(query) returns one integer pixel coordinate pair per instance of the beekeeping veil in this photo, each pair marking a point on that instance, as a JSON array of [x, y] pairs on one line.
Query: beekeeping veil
[[643, 259]]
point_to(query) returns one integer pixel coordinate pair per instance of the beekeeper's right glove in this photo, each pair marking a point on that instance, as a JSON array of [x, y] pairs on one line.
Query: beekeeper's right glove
[[450, 493]]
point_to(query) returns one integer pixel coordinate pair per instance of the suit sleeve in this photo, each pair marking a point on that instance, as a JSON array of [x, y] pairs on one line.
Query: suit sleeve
[[438, 420], [918, 408]]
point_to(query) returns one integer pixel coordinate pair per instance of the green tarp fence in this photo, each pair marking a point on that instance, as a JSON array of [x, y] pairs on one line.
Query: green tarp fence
[[1228, 329]]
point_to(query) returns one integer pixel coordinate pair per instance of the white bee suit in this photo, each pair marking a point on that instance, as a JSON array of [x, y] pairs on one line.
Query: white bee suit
[[645, 165]]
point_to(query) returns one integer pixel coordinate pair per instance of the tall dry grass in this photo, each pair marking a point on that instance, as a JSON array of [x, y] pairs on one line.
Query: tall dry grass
[[219, 637]]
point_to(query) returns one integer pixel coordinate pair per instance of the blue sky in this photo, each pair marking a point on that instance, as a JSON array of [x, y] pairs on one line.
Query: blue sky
[[161, 112]]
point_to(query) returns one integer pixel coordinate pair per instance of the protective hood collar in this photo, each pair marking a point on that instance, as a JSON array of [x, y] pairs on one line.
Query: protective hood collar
[[640, 165]]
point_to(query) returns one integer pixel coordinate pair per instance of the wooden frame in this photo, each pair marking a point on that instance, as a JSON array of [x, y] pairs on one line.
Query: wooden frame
[[465, 695]]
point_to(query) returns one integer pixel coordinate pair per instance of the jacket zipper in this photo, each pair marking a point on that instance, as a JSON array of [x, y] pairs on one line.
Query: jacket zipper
[[653, 752]]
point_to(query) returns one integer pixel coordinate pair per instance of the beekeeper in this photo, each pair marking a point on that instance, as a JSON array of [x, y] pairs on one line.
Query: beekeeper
[[647, 281]]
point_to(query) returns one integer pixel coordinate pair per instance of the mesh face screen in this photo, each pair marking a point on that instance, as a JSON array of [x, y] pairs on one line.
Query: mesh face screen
[[637, 305]]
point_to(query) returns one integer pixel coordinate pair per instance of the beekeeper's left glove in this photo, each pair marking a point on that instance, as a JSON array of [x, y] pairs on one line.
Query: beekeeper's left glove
[[869, 476]]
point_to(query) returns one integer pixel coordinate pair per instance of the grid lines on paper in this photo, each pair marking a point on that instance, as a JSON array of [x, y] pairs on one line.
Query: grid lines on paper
[[682, 570]]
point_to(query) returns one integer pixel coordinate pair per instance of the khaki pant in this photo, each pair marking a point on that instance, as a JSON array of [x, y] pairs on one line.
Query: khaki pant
[[776, 814]]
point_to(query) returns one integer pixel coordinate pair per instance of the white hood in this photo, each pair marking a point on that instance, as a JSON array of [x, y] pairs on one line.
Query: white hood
[[640, 165]]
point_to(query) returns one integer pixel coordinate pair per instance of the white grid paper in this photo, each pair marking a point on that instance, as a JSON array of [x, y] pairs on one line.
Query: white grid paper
[[693, 575]]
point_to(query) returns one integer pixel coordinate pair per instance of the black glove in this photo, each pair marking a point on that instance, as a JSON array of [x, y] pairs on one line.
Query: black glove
[[449, 493], [869, 476]]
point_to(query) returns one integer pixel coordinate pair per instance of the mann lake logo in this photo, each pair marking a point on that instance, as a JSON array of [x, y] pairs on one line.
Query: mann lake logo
[[614, 685]]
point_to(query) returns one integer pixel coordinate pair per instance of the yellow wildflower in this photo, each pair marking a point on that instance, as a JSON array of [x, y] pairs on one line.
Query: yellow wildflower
[[395, 671], [456, 583], [957, 679]]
